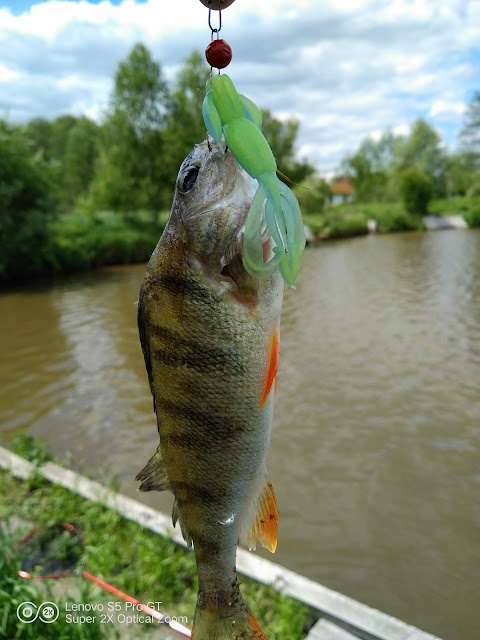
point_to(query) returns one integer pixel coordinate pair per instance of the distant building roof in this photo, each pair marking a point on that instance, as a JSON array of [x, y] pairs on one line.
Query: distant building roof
[[341, 187]]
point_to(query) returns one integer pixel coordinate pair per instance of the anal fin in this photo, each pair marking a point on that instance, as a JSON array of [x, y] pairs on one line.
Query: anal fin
[[154, 475], [176, 515], [265, 520]]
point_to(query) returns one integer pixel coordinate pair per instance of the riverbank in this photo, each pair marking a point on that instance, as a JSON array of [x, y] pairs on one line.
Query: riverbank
[[84, 241], [349, 220], [152, 568]]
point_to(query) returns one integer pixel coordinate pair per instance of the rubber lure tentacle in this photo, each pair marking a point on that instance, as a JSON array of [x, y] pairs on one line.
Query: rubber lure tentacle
[[274, 215], [212, 120], [294, 221], [290, 222], [253, 246]]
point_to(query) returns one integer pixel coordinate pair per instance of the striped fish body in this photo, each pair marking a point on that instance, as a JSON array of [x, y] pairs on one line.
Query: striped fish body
[[209, 333]]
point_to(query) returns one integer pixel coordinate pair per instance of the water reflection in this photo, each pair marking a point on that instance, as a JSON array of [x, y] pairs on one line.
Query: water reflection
[[375, 455]]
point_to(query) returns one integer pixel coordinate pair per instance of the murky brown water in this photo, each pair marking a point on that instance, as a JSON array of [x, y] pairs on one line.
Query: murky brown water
[[375, 455]]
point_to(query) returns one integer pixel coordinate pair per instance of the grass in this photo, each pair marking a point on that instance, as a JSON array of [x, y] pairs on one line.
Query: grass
[[348, 220], [133, 559], [469, 208], [14, 591]]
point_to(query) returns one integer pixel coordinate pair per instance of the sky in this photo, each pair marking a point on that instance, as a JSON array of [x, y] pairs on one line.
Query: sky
[[346, 69]]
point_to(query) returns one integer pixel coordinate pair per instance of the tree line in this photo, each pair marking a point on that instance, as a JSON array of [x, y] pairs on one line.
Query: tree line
[[75, 193], [402, 166], [398, 179], [66, 182]]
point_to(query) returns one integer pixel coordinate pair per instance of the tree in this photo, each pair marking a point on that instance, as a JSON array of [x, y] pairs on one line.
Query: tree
[[281, 136], [462, 173], [312, 194], [371, 168], [39, 132], [416, 190], [26, 206], [470, 134], [60, 128], [423, 150], [131, 169], [67, 144], [184, 120], [81, 152]]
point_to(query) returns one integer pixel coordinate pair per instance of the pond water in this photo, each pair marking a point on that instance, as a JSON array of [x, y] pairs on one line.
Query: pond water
[[375, 455]]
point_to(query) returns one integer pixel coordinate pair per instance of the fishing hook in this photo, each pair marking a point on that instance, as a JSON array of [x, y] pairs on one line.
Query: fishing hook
[[219, 28]]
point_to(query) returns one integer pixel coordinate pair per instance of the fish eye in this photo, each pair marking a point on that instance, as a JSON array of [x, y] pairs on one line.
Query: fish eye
[[188, 177]]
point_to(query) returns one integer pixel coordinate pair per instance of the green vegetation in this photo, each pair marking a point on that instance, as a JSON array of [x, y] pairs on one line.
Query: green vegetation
[[75, 194], [133, 559], [351, 219], [15, 590], [416, 190], [84, 240], [380, 167], [312, 194]]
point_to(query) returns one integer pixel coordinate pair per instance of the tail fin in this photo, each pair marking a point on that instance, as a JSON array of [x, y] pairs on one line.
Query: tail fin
[[225, 617]]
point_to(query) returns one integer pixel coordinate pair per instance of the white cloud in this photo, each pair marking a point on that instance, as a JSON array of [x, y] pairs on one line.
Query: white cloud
[[447, 109], [6, 73], [344, 69]]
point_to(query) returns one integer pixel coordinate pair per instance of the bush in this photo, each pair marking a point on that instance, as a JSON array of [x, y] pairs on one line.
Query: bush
[[394, 218], [416, 190], [311, 195], [353, 224], [472, 216], [86, 240], [26, 208]]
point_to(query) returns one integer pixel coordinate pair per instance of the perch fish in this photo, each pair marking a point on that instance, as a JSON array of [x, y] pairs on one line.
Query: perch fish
[[209, 332]]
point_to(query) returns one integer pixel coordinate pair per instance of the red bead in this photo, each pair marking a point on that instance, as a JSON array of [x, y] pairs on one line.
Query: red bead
[[218, 54]]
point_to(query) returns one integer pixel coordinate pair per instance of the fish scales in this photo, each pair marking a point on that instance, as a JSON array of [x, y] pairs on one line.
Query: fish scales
[[209, 331]]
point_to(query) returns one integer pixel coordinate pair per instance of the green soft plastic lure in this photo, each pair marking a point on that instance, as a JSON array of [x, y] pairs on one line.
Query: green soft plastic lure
[[239, 120]]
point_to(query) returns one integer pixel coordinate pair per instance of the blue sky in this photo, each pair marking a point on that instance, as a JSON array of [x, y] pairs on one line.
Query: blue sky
[[19, 6], [345, 69]]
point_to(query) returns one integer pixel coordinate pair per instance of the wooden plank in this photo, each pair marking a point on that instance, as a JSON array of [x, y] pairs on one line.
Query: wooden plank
[[18, 467], [368, 623], [325, 630]]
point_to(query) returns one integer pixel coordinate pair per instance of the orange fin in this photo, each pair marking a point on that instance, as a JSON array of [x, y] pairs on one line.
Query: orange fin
[[265, 524], [272, 365]]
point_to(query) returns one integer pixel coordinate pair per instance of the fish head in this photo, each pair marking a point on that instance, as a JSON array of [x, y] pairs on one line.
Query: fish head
[[210, 207]]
